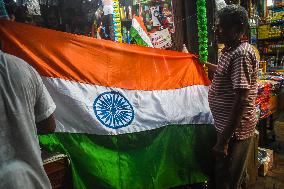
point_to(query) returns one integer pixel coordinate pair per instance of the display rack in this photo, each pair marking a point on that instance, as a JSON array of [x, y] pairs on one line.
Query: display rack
[[271, 38]]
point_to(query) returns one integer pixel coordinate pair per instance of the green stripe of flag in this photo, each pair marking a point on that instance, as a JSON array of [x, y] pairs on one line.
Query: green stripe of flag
[[162, 158]]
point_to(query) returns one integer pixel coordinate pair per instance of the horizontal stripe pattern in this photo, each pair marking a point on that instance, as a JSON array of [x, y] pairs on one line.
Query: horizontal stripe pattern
[[237, 69], [100, 62], [152, 109]]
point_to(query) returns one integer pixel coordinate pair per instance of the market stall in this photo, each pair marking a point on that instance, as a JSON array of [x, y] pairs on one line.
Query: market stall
[[126, 29], [269, 103], [270, 34], [127, 39]]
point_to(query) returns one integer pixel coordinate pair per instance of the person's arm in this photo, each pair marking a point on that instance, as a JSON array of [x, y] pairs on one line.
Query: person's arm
[[212, 67], [234, 122], [46, 126], [44, 107]]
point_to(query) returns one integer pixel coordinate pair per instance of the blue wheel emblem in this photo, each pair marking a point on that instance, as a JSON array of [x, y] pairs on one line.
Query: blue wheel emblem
[[113, 110]]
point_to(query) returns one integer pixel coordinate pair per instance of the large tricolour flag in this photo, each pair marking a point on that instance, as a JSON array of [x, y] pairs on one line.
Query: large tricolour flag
[[127, 116]]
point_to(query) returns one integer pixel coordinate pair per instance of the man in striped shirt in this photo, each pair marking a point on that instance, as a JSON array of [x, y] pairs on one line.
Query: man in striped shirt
[[232, 98]]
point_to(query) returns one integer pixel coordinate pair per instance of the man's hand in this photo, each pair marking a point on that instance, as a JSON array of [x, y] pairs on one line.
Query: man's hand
[[212, 67], [220, 149]]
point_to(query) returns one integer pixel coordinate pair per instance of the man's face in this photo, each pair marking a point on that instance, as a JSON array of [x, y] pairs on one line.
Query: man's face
[[226, 34]]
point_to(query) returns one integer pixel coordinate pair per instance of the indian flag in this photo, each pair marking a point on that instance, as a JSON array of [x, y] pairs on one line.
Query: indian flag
[[127, 116], [139, 33]]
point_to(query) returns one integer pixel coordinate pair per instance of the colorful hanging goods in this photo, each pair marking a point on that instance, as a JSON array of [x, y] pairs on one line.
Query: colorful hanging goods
[[161, 39], [263, 98], [107, 7], [139, 33], [33, 7], [155, 15], [202, 30], [220, 4], [3, 12], [122, 13], [116, 22]]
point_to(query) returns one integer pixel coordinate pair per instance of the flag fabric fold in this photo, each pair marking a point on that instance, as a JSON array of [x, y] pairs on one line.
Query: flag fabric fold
[[127, 116]]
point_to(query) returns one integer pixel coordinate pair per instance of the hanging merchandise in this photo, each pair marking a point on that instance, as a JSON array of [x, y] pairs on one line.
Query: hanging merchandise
[[116, 22], [97, 23], [161, 39], [106, 28], [107, 7], [107, 20], [155, 15], [220, 4], [253, 31], [202, 30], [33, 7], [263, 98], [3, 12], [167, 18], [139, 33], [135, 21], [130, 16], [122, 13]]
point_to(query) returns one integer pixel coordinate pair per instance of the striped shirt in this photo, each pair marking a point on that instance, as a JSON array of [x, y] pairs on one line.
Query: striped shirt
[[237, 69]]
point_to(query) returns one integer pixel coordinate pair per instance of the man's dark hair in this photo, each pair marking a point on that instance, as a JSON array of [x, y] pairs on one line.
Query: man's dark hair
[[234, 16]]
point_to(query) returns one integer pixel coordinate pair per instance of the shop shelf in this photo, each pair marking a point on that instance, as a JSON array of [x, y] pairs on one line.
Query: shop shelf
[[275, 7], [273, 53], [272, 38], [277, 23]]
